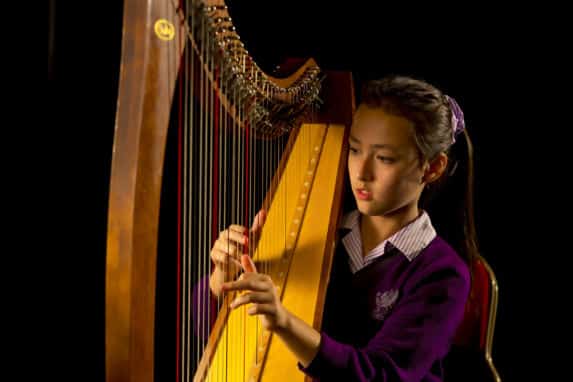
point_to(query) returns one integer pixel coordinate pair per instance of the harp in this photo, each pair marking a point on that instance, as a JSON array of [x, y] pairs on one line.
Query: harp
[[244, 140]]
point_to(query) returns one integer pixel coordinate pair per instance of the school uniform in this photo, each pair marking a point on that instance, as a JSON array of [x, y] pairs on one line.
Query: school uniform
[[390, 315]]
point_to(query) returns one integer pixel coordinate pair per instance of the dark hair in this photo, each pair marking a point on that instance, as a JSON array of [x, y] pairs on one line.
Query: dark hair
[[449, 200]]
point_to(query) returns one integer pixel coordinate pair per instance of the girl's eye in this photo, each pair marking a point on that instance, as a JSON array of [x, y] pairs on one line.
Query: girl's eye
[[353, 149], [385, 159]]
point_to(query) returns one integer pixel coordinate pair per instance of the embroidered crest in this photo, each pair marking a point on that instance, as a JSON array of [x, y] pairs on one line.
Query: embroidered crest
[[384, 302]]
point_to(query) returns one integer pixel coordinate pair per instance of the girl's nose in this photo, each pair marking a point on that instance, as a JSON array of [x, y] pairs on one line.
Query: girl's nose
[[364, 170]]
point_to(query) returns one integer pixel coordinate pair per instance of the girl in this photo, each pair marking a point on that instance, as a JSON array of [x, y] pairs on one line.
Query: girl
[[397, 289]]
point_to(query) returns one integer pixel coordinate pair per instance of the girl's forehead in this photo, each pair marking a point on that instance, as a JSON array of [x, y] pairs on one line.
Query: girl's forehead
[[377, 126]]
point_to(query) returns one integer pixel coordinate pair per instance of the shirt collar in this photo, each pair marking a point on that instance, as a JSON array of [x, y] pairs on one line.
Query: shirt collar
[[410, 240]]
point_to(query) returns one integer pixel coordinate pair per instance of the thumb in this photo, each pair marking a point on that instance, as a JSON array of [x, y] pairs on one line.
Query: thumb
[[259, 220], [248, 264]]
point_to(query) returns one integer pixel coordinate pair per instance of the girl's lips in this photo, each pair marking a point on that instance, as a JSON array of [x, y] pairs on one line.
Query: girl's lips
[[363, 194]]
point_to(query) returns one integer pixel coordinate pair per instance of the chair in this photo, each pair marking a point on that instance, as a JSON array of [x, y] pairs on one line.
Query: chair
[[470, 357]]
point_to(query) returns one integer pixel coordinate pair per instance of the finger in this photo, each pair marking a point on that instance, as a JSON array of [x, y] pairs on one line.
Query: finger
[[223, 259], [265, 309], [253, 284], [226, 247], [233, 236], [253, 297], [248, 265], [259, 220], [238, 228]]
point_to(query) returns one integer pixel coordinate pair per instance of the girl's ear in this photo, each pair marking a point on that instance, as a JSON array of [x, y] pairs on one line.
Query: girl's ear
[[435, 168]]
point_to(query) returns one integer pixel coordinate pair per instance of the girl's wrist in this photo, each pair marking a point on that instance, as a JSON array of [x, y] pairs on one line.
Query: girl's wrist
[[284, 325]]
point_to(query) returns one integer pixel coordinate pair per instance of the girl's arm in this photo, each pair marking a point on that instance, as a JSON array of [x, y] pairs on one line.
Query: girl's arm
[[301, 338], [412, 339]]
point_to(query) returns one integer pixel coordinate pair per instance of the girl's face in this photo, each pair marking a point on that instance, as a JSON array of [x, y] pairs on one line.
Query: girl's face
[[383, 162]]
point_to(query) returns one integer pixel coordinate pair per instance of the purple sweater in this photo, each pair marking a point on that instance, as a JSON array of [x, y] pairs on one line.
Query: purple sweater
[[393, 320]]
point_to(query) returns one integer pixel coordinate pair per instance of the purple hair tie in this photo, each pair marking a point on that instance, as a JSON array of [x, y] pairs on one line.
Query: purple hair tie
[[458, 122]]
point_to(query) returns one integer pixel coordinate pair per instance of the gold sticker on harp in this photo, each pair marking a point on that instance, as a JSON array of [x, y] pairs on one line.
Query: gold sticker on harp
[[164, 30]]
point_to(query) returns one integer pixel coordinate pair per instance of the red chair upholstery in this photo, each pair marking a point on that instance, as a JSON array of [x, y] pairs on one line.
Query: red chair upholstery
[[470, 358]]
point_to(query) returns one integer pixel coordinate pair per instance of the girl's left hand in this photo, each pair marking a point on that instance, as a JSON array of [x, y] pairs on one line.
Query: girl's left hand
[[261, 293]]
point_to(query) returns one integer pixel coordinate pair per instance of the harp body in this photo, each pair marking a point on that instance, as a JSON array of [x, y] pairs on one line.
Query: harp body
[[304, 205]]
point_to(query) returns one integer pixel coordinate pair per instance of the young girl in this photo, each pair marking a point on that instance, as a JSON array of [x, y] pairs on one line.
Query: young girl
[[397, 289]]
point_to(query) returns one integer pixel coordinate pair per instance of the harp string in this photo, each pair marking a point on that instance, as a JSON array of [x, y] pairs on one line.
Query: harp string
[[227, 180], [202, 188], [228, 203], [212, 214], [184, 316], [217, 184], [224, 178], [233, 202], [193, 260], [209, 165], [239, 335], [182, 271], [252, 190]]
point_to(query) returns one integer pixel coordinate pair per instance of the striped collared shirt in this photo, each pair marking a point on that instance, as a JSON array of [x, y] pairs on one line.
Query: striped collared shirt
[[410, 240]]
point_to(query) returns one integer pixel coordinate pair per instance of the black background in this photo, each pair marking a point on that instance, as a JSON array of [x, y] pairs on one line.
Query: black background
[[486, 58]]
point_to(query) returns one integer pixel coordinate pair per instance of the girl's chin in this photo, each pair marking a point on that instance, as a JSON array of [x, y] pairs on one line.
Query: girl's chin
[[368, 208]]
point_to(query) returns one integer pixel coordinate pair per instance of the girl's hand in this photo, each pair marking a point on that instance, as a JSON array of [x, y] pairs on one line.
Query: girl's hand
[[261, 294], [225, 253]]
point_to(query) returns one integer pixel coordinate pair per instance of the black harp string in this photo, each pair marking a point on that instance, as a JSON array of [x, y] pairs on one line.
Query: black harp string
[[201, 181], [192, 121], [233, 200], [252, 186], [182, 314], [211, 161], [221, 183], [240, 204], [187, 163]]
